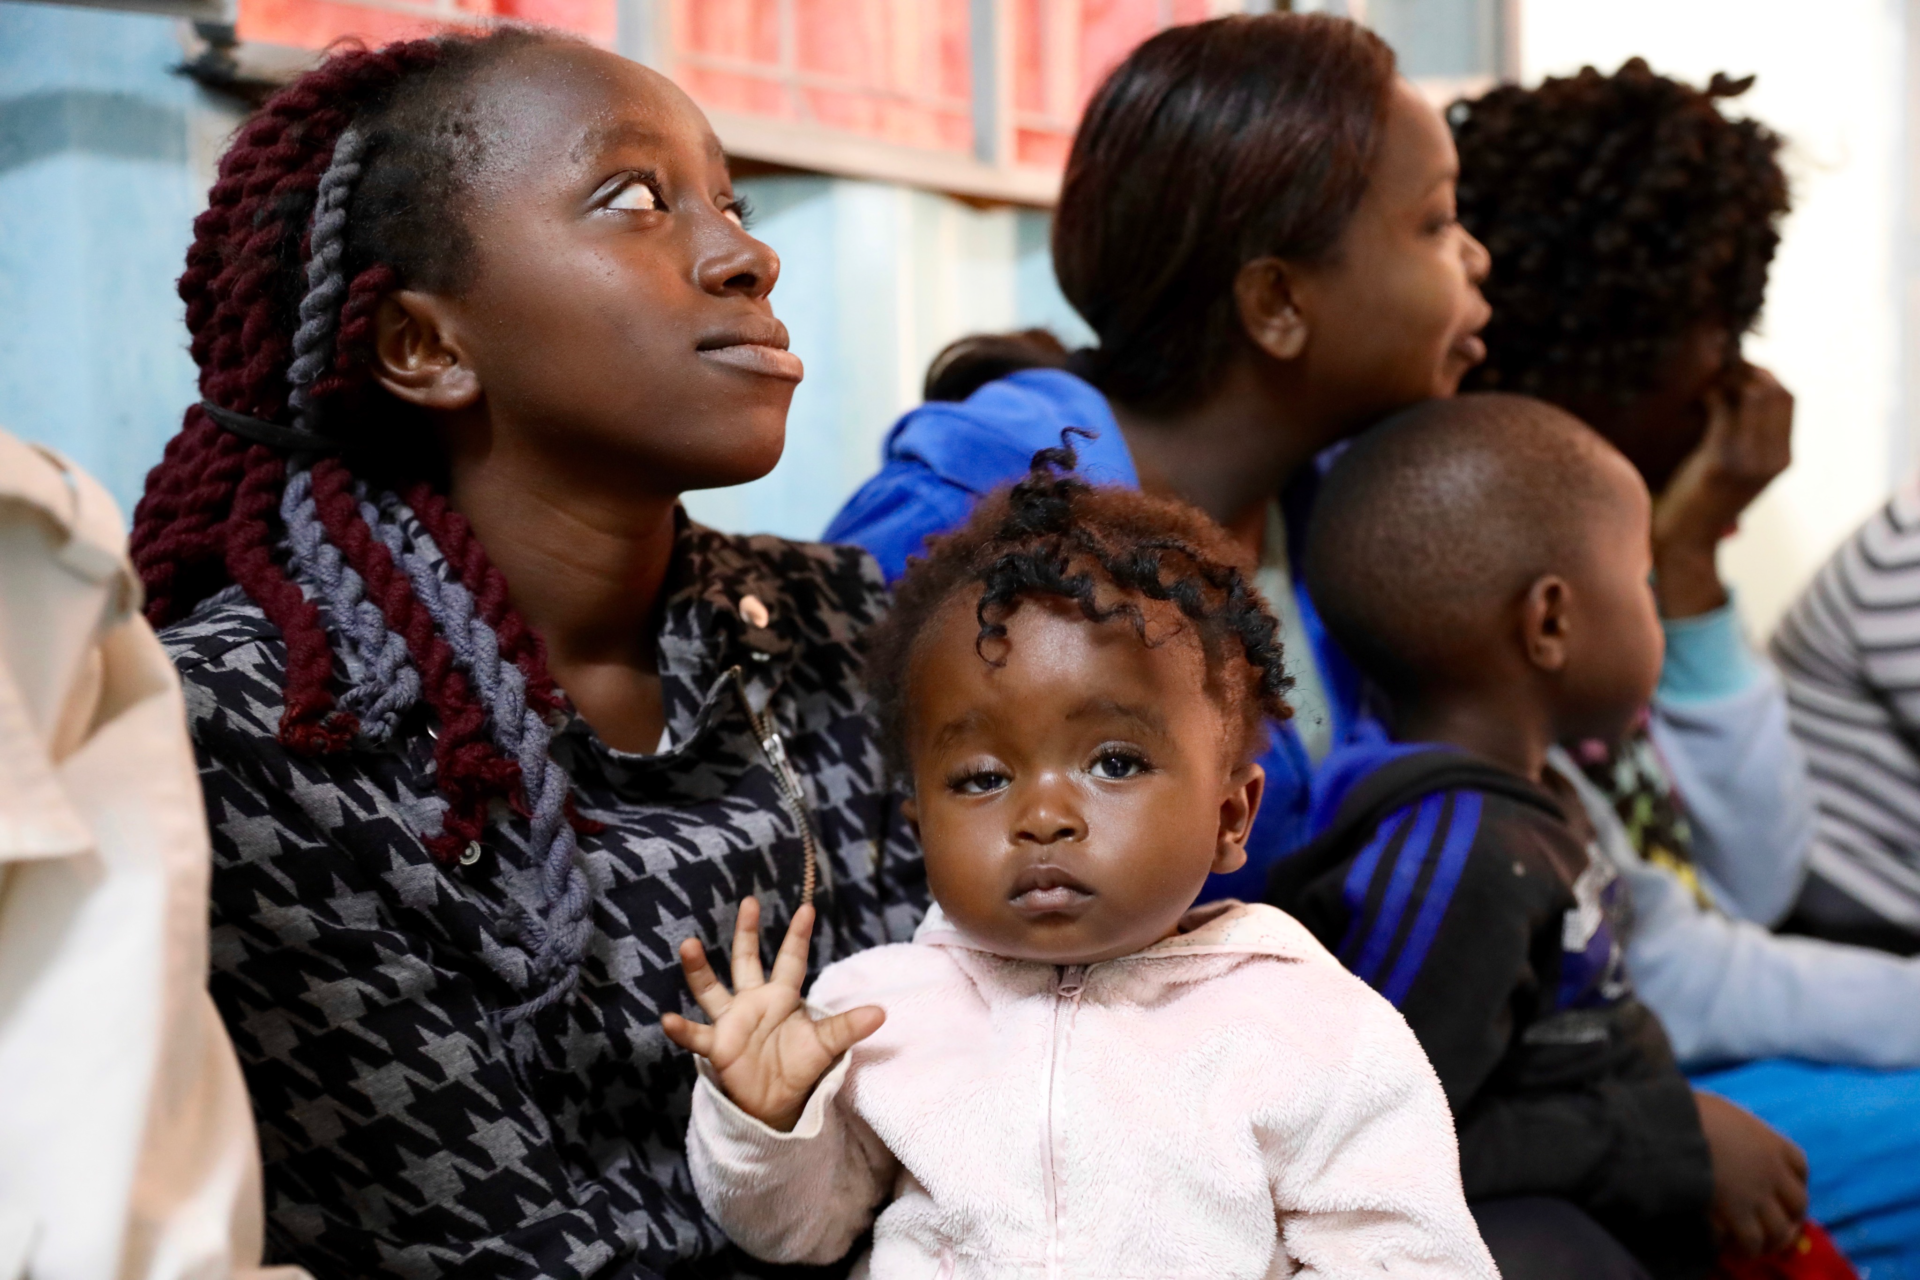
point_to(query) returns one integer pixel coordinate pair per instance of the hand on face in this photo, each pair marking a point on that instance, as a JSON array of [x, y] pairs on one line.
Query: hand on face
[[766, 1048], [1748, 442], [1759, 1179], [1072, 801]]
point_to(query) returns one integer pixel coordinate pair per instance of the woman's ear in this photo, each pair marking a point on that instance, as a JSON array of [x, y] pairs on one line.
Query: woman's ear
[[416, 356], [1238, 807], [1264, 292], [1545, 621]]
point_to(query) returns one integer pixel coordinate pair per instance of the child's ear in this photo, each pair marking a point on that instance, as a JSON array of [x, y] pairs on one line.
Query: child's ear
[[1263, 291], [910, 810], [415, 355], [1238, 807], [1545, 621]]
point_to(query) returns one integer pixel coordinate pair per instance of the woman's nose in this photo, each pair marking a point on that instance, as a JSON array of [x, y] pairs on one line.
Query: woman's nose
[[733, 262]]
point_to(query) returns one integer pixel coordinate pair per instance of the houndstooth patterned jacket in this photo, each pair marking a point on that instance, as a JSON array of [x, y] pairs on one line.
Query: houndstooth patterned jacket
[[406, 1132]]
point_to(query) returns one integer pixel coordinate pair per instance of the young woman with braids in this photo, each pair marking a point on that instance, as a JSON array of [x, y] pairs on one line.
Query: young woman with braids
[[1257, 221], [486, 726], [1069, 1069]]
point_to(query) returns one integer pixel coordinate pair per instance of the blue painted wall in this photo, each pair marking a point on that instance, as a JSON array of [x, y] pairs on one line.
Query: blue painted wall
[[105, 156], [97, 193]]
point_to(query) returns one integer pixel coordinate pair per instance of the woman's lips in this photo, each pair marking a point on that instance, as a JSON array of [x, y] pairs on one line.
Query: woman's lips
[[752, 357], [1048, 891]]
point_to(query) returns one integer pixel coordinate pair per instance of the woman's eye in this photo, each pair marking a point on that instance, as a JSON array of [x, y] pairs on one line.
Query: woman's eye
[[637, 197], [1115, 765], [979, 783], [738, 211]]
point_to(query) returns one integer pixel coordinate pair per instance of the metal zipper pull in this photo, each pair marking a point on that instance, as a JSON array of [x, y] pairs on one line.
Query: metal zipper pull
[[787, 783]]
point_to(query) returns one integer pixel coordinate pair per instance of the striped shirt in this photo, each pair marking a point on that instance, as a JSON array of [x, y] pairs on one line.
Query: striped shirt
[[1849, 651]]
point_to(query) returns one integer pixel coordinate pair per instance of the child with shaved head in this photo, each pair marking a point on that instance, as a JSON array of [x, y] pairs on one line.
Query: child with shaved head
[[1485, 562]]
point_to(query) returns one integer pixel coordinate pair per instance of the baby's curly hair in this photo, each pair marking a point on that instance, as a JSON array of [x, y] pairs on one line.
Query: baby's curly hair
[[1105, 549], [1621, 210]]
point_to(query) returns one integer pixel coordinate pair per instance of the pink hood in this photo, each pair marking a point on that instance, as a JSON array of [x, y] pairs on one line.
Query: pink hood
[[1227, 1103]]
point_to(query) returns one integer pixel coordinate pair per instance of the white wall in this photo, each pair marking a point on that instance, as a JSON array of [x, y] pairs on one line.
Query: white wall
[[1830, 80]]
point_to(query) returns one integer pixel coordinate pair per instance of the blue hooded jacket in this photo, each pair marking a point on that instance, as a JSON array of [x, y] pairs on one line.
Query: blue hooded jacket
[[943, 457]]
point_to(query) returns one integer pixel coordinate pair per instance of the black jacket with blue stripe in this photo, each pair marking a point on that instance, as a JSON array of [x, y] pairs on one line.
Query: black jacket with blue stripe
[[1463, 893]]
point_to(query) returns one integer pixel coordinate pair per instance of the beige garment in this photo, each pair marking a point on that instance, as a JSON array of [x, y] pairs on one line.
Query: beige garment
[[127, 1145], [1312, 713]]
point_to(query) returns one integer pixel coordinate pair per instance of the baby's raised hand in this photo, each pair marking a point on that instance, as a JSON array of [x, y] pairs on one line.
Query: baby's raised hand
[[768, 1051]]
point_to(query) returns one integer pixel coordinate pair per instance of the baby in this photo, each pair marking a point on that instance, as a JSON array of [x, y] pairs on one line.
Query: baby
[[1068, 1072]]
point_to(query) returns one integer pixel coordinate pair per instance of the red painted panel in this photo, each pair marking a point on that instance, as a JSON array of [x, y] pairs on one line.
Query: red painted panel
[[847, 39], [895, 70], [748, 30], [594, 19], [1028, 39], [1109, 30], [315, 24], [955, 41], [1043, 149], [727, 91]]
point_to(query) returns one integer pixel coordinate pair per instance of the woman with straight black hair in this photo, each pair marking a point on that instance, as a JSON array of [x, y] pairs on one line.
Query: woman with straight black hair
[[1257, 219]]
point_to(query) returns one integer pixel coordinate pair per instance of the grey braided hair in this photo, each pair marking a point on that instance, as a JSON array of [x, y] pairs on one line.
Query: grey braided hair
[[385, 682], [326, 275], [559, 939]]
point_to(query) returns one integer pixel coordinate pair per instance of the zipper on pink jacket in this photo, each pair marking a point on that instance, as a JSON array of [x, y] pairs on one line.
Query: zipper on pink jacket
[[1068, 982]]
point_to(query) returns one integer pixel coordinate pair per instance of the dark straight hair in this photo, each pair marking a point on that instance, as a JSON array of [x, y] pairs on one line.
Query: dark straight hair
[[1210, 146]]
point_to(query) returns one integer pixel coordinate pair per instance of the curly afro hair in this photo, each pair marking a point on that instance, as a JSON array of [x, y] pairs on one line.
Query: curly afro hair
[[1106, 549], [1621, 211]]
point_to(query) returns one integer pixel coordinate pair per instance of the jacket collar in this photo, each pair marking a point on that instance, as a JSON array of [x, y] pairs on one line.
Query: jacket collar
[[724, 607], [1216, 928], [88, 536]]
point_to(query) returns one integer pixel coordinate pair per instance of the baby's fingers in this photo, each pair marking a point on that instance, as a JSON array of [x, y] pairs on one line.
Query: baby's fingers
[[790, 965], [696, 1037], [708, 991], [844, 1030], [746, 946]]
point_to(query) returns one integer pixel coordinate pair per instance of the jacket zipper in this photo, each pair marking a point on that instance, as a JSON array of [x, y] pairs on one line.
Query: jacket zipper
[[787, 783], [1069, 981]]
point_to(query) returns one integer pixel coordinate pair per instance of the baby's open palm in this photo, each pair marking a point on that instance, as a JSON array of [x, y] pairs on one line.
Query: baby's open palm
[[766, 1048]]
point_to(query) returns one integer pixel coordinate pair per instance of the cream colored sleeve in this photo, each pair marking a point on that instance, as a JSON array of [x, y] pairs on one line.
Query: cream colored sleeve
[[798, 1197], [127, 1146]]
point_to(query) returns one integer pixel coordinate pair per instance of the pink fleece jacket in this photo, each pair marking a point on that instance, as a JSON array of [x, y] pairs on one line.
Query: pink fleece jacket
[[1228, 1103]]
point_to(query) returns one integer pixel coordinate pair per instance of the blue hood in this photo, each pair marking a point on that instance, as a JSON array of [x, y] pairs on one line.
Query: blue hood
[[980, 442]]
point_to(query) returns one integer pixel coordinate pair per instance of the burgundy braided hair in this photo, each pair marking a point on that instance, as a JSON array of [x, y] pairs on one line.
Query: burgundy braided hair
[[209, 515]]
